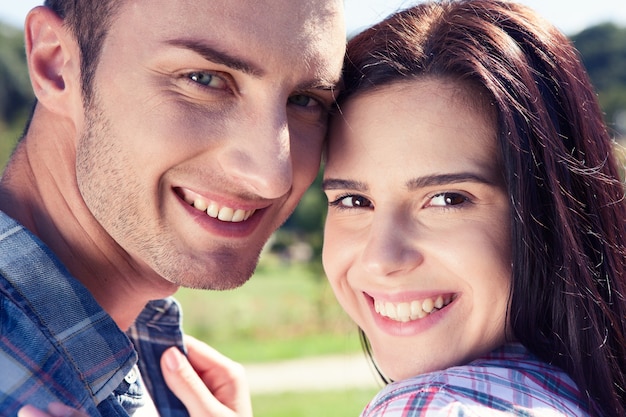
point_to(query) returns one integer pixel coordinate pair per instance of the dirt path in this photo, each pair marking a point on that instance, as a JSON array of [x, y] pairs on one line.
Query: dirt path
[[320, 373]]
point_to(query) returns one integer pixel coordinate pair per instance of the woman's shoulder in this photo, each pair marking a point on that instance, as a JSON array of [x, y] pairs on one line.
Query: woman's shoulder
[[507, 382]]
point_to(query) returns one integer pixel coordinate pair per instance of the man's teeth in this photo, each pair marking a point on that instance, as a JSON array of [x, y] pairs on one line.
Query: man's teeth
[[413, 310], [225, 214]]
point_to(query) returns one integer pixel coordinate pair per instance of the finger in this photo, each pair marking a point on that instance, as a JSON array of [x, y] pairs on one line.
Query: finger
[[62, 410], [54, 410], [30, 411], [208, 361], [225, 378], [183, 380]]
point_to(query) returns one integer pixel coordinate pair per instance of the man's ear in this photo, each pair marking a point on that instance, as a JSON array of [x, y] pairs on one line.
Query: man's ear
[[53, 59]]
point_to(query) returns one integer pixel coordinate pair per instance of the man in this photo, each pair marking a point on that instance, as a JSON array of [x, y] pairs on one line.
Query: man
[[169, 140]]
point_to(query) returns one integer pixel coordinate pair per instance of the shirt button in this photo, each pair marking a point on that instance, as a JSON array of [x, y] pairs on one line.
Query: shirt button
[[131, 377]]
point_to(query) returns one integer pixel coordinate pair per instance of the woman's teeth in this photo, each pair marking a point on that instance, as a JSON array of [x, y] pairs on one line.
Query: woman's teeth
[[225, 214], [413, 310]]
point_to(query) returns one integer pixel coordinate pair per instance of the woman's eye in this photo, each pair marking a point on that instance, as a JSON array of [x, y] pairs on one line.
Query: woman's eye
[[352, 201], [447, 199], [207, 79], [303, 100]]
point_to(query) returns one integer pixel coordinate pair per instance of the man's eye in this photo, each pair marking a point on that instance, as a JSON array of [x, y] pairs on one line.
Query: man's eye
[[303, 100], [447, 199], [207, 79]]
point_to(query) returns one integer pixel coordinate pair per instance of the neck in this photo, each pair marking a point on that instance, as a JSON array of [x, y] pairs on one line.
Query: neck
[[39, 190]]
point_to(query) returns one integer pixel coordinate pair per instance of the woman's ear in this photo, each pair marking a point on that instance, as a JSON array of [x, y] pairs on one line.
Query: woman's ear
[[53, 59]]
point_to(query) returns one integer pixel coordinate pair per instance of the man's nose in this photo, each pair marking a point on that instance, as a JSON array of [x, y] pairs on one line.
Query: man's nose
[[259, 157]]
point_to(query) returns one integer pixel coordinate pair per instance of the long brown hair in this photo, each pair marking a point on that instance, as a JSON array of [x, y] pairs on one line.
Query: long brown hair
[[567, 302]]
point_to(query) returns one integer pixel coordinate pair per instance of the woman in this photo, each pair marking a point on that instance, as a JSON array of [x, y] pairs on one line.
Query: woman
[[476, 223]]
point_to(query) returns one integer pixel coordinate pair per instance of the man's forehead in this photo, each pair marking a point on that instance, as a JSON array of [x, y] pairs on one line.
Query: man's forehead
[[323, 77], [302, 41]]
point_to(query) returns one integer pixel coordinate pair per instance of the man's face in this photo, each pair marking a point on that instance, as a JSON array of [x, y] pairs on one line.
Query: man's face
[[206, 128]]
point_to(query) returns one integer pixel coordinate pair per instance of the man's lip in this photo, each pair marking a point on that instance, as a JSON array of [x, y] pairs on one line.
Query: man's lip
[[227, 226], [217, 208]]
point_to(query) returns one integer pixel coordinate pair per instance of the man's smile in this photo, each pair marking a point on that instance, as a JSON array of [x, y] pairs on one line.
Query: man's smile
[[215, 210]]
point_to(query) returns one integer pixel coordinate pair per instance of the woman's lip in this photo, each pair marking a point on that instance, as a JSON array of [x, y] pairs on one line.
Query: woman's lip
[[406, 296], [397, 327]]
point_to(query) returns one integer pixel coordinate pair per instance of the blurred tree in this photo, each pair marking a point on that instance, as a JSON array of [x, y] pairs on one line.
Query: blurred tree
[[603, 51], [16, 94], [306, 224]]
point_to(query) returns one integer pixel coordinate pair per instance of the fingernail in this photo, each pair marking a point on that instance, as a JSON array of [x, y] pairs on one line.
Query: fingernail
[[173, 359], [29, 411], [61, 410]]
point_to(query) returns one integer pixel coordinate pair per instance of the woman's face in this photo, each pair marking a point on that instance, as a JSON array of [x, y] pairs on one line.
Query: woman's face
[[417, 238]]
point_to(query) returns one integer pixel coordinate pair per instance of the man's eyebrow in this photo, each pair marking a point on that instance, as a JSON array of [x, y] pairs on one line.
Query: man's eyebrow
[[337, 184], [445, 179], [323, 83], [213, 54]]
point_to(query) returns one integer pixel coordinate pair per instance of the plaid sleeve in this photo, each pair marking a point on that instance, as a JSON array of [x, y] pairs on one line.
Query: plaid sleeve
[[35, 373], [433, 401], [523, 388]]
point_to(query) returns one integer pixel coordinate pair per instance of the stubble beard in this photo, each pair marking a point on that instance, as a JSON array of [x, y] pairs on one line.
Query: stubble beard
[[113, 195]]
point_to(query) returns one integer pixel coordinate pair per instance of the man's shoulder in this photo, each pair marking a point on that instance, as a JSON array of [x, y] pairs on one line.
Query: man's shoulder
[[33, 369], [18, 245], [56, 342]]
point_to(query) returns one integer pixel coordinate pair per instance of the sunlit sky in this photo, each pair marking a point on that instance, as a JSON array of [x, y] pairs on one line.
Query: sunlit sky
[[571, 16]]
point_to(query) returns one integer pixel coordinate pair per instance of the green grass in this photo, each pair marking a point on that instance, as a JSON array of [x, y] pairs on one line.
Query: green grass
[[312, 404], [283, 312]]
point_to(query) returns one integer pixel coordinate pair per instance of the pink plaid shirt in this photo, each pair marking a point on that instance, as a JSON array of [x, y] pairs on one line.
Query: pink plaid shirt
[[510, 381]]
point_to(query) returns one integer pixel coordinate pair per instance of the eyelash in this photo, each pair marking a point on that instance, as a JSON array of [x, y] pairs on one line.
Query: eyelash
[[321, 108], [447, 195], [321, 103], [337, 202], [225, 83]]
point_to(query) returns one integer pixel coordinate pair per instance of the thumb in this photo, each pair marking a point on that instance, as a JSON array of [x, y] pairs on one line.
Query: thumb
[[54, 410]]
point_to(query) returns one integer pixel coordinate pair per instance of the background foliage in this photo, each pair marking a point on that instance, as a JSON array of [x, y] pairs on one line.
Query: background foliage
[[603, 51]]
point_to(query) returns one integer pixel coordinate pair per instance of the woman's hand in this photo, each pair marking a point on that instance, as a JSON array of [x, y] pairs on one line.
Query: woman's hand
[[208, 384], [54, 410]]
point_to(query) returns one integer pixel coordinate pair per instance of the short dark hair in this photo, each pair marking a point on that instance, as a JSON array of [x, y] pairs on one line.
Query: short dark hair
[[89, 21], [568, 217]]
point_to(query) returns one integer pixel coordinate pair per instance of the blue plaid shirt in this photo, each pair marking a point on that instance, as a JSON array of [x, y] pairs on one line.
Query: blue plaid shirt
[[57, 344]]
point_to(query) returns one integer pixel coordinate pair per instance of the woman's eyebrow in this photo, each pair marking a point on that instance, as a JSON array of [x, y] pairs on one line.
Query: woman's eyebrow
[[412, 184], [445, 179], [339, 184]]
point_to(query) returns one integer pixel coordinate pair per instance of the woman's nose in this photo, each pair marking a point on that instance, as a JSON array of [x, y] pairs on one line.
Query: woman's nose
[[392, 247]]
